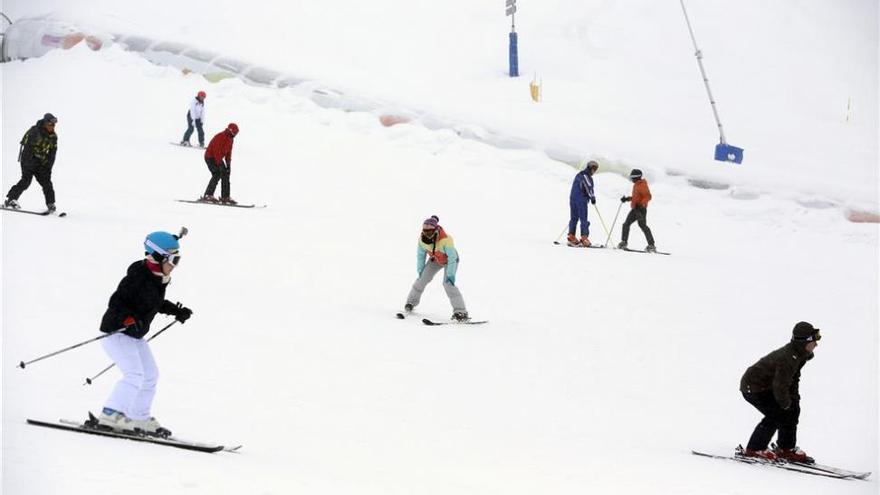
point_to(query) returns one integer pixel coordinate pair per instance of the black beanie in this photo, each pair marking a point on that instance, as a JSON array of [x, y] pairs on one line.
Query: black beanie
[[804, 332]]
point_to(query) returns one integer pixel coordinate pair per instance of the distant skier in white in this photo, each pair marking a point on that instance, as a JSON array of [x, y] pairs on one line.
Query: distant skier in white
[[134, 304], [195, 115]]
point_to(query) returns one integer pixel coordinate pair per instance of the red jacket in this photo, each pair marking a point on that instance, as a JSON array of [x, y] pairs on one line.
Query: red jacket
[[640, 194], [220, 147]]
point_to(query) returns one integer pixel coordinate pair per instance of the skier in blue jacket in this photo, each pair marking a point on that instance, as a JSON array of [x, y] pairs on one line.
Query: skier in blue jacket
[[582, 193]]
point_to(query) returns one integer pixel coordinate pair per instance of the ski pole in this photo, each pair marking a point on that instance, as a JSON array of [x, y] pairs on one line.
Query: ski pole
[[22, 364], [613, 224], [90, 380], [600, 218], [564, 230]]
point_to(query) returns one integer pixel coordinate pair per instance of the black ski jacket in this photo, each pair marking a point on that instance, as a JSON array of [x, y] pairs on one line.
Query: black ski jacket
[[779, 371], [141, 295]]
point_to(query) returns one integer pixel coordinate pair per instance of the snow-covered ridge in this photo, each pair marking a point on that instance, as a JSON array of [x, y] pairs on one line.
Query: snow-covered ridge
[[34, 36]]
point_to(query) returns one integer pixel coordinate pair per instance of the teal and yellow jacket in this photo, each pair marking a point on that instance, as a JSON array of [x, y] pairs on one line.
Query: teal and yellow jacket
[[441, 251]]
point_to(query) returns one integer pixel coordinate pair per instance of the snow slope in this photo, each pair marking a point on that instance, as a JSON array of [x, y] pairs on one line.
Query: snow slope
[[620, 79], [599, 371]]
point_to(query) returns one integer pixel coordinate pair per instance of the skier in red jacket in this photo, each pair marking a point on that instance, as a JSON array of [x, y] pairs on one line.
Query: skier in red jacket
[[218, 156]]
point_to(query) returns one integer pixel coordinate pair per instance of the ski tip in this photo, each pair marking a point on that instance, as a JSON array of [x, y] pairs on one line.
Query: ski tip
[[400, 316], [62, 214], [556, 242]]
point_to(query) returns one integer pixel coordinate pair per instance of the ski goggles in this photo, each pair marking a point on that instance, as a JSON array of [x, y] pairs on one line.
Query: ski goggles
[[173, 259], [814, 337]]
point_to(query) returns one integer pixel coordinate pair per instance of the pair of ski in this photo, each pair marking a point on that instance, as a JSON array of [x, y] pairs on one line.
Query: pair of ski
[[196, 147], [91, 427], [801, 467], [203, 202], [31, 212], [403, 314], [594, 246]]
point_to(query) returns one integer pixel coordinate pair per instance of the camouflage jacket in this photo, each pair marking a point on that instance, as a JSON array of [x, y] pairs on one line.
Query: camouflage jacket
[[38, 146]]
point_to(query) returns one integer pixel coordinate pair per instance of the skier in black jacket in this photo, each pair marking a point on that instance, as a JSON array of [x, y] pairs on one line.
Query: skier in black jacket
[[37, 156], [771, 385], [134, 304]]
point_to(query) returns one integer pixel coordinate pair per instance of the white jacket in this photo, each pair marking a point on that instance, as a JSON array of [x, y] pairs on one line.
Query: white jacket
[[197, 110]]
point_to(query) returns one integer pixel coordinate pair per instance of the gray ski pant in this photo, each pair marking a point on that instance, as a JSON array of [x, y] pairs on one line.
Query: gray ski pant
[[431, 269]]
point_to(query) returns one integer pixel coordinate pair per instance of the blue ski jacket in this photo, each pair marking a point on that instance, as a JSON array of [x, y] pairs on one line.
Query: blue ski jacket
[[582, 187]]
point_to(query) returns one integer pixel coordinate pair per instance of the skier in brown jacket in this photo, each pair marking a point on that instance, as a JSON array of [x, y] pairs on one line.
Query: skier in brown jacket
[[771, 385]]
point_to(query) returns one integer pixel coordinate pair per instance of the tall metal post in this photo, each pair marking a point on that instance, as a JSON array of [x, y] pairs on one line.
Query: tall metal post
[[513, 51]]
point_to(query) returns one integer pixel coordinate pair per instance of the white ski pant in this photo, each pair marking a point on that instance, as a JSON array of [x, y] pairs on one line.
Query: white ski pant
[[431, 269], [133, 394]]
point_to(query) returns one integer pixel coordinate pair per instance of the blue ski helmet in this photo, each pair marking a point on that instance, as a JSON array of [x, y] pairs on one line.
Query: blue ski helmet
[[636, 174], [161, 244]]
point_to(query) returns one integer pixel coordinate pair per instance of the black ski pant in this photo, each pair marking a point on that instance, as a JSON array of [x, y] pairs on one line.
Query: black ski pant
[[44, 178], [776, 418], [638, 214], [219, 173], [189, 129]]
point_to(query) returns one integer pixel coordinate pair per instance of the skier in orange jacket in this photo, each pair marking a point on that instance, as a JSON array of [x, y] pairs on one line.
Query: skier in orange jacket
[[638, 212]]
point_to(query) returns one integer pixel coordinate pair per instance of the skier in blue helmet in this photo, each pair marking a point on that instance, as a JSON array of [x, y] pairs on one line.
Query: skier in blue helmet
[[136, 301]]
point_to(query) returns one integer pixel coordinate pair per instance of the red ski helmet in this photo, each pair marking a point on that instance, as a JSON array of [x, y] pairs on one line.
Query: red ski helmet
[[233, 128], [201, 94]]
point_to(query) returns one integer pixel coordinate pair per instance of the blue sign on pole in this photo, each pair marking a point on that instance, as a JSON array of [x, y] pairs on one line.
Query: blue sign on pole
[[512, 51], [514, 56]]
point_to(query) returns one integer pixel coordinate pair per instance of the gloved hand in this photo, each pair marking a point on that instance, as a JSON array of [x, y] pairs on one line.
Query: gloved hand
[[593, 200], [131, 324], [182, 313], [624, 199], [450, 280]]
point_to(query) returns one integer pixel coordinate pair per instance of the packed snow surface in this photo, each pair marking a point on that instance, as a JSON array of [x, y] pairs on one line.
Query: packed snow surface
[[599, 370]]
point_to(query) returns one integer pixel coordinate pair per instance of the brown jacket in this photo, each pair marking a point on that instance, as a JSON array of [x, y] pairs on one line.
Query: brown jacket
[[640, 194], [779, 371]]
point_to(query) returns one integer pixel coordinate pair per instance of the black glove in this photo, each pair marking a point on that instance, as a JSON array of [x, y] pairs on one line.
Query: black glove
[[593, 200], [624, 199], [182, 313]]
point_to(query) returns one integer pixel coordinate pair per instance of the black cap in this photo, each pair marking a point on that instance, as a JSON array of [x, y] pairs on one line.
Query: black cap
[[804, 332], [50, 118]]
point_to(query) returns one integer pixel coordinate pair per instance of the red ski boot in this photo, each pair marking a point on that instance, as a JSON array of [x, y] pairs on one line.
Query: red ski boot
[[767, 455], [794, 455]]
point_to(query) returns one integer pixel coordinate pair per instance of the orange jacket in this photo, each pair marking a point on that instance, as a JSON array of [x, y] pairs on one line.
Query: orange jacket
[[640, 194]]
